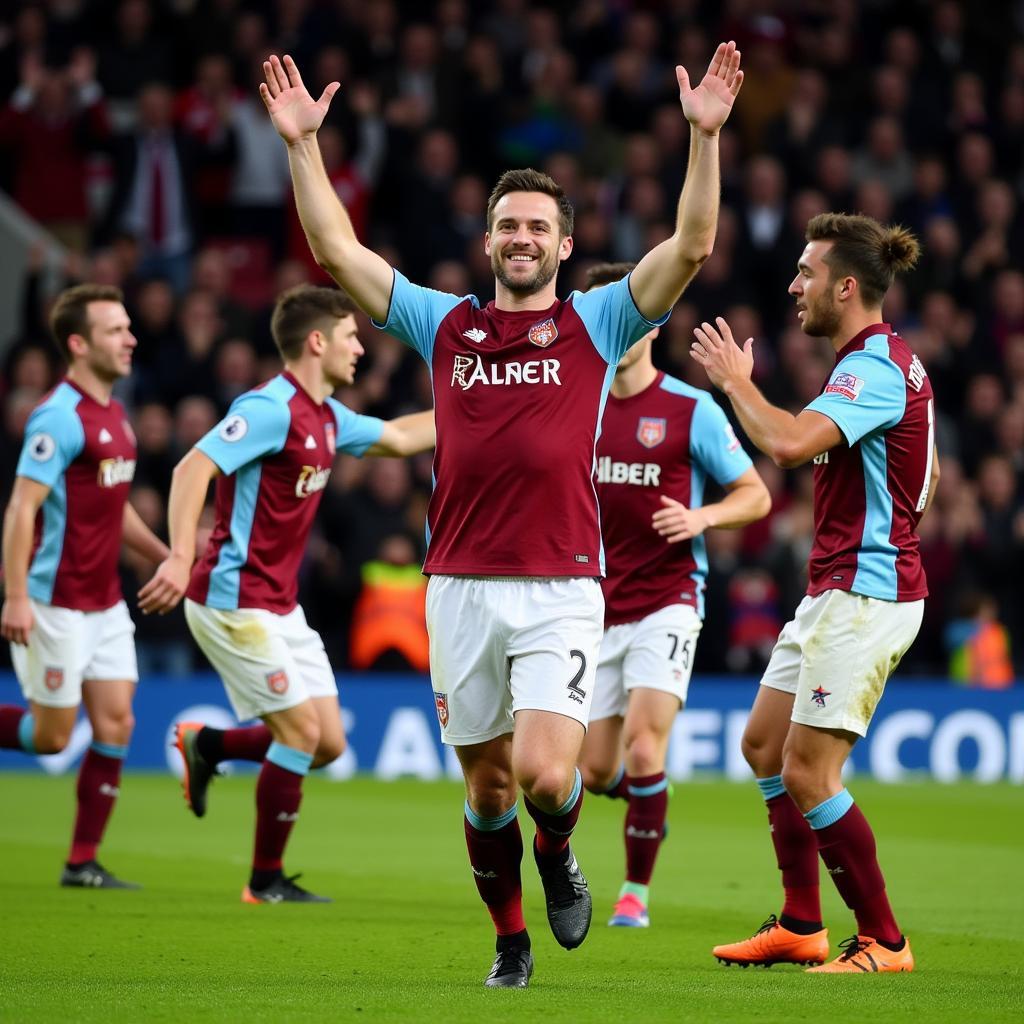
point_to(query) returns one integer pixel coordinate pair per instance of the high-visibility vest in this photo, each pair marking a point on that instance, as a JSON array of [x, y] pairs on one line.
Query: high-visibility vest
[[390, 614], [983, 659]]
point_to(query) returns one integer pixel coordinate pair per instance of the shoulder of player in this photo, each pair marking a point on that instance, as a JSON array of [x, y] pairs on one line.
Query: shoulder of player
[[59, 408]]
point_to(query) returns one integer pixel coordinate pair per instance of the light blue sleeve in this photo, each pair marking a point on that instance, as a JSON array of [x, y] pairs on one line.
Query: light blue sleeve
[[612, 319], [415, 313], [256, 426], [714, 444], [355, 433], [866, 392], [54, 438]]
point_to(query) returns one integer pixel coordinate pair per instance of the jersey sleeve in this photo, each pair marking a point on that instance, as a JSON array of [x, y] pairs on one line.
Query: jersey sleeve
[[415, 313], [356, 433], [256, 426], [54, 438], [714, 444], [612, 319], [866, 392]]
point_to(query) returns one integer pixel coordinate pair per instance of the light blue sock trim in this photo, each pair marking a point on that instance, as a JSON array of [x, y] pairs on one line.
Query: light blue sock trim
[[115, 750], [656, 787], [490, 824], [771, 787], [829, 812], [619, 776], [569, 804], [26, 731], [291, 760]]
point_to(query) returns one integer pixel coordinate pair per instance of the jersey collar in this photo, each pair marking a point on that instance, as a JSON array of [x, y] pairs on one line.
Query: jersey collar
[[857, 341]]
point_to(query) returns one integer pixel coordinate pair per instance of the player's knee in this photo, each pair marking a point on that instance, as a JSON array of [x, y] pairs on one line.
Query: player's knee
[[116, 728], [51, 740], [798, 777], [644, 754], [597, 777], [493, 797], [759, 754], [329, 749], [547, 785]]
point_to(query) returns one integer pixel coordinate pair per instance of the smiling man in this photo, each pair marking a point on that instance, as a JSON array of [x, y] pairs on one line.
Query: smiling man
[[272, 456], [72, 640], [514, 604]]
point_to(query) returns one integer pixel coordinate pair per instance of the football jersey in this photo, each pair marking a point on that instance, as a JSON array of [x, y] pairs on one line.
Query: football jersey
[[667, 439], [518, 399], [274, 449], [85, 453], [870, 493]]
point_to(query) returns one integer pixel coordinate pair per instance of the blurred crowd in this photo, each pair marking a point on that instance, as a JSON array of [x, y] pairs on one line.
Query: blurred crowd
[[133, 131]]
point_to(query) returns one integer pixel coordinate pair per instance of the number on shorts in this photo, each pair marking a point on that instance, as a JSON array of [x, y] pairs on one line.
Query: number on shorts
[[574, 683], [683, 650]]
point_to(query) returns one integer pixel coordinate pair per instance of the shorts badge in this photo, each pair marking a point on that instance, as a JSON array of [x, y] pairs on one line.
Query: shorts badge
[[819, 695], [53, 679], [651, 432], [543, 334], [278, 681], [441, 703]]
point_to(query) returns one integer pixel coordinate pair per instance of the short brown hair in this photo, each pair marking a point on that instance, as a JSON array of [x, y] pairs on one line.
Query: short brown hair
[[873, 253], [526, 179], [306, 308], [70, 313], [606, 273]]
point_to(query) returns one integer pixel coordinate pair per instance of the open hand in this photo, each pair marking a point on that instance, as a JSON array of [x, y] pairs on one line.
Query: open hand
[[296, 115], [675, 522], [708, 106], [726, 363]]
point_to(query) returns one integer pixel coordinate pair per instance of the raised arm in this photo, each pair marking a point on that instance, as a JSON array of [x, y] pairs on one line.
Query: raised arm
[[668, 268], [406, 435], [189, 484], [16, 619], [332, 240]]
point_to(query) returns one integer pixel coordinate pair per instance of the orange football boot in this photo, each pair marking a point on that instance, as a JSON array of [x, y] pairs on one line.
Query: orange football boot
[[863, 955], [773, 944]]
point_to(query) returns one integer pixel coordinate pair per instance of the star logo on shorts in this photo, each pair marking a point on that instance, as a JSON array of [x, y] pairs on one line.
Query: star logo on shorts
[[819, 695]]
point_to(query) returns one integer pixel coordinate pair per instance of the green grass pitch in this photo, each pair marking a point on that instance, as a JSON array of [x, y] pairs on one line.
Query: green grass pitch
[[407, 940]]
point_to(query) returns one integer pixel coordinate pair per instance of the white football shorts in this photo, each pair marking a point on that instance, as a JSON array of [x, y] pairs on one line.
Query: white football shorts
[[267, 662], [66, 646], [836, 655], [502, 645], [655, 653]]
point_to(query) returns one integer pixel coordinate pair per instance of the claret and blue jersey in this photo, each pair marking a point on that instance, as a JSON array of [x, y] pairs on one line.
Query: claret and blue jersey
[[274, 449], [85, 453], [870, 493], [518, 400], [665, 440]]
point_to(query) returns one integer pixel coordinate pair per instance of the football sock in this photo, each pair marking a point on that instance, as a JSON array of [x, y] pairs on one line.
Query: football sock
[[645, 824], [250, 743], [554, 829], [520, 940], [641, 892], [847, 846], [796, 852], [16, 728], [619, 789], [99, 778], [495, 848], [278, 796]]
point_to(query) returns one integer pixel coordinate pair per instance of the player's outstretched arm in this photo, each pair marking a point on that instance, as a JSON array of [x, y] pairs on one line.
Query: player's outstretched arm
[[789, 440], [406, 435], [668, 268], [135, 534], [332, 240], [189, 485], [16, 619], [746, 500]]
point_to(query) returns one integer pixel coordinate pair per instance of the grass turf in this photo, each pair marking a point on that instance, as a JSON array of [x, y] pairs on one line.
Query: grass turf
[[407, 939]]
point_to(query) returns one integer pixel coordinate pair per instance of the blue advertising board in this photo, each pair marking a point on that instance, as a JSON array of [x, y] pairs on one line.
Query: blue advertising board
[[921, 730]]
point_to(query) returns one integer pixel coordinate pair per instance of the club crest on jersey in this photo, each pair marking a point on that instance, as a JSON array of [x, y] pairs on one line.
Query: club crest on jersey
[[277, 682], [53, 679], [845, 384], [441, 704], [329, 436], [543, 334], [651, 432]]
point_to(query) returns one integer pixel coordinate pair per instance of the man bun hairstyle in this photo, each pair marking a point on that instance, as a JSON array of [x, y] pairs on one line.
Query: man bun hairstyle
[[306, 308], [70, 313], [873, 253], [601, 274], [526, 179]]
